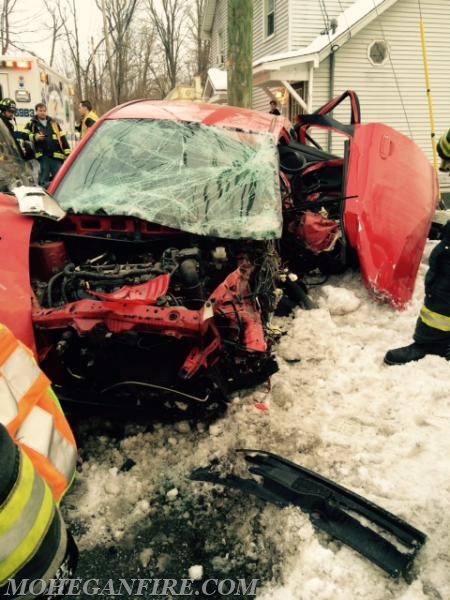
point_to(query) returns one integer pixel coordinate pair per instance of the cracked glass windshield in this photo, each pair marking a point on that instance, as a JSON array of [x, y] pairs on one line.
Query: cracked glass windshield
[[203, 180]]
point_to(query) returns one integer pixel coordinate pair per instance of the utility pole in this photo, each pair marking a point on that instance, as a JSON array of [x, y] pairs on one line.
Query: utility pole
[[109, 55], [240, 52]]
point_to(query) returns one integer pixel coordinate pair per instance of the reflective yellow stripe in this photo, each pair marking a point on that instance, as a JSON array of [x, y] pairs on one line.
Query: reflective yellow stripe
[[31, 539], [15, 503], [435, 320], [19, 530]]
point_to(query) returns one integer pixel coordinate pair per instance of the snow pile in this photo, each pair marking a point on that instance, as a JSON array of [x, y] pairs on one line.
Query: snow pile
[[333, 407]]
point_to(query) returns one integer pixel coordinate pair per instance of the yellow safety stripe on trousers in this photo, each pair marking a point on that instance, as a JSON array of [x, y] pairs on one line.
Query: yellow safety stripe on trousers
[[444, 143], [19, 497], [434, 319], [25, 535]]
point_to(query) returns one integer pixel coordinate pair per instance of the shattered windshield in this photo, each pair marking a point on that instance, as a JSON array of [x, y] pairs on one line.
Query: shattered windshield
[[188, 176]]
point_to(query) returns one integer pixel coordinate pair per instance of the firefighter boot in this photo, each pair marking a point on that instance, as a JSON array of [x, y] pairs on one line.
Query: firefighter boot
[[415, 351]]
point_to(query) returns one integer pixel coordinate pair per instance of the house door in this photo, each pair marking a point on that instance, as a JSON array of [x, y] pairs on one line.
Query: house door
[[294, 107]]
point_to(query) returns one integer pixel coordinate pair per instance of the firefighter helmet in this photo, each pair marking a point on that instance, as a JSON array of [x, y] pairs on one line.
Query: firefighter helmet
[[8, 104]]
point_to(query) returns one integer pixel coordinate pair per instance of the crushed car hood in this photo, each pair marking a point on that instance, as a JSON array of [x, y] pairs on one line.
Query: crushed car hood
[[391, 195]]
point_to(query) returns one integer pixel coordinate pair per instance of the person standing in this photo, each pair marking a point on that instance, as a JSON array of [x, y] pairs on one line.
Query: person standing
[[273, 108], [432, 332], [50, 144], [7, 115], [38, 456], [88, 117]]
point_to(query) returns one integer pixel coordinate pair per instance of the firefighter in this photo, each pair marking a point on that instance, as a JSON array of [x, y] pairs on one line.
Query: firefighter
[[8, 110], [50, 144], [443, 149], [432, 332], [36, 549], [37, 464], [88, 117]]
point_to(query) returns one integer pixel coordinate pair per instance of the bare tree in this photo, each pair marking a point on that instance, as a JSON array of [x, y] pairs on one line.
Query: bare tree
[[119, 16], [202, 46], [14, 25], [169, 20], [72, 39], [154, 45], [87, 75], [56, 27], [5, 25], [141, 81]]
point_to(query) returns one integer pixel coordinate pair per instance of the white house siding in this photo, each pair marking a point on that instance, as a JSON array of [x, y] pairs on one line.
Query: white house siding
[[279, 40], [395, 93], [263, 46], [308, 20], [219, 24]]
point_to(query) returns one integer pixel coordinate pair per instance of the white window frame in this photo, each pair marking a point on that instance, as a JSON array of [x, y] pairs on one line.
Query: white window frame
[[220, 48], [269, 17]]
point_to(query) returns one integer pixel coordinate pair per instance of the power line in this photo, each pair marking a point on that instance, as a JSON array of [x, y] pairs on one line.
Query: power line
[[347, 26], [397, 84], [326, 20]]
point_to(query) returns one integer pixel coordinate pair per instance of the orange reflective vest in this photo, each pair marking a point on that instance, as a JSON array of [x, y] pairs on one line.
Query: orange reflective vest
[[32, 415]]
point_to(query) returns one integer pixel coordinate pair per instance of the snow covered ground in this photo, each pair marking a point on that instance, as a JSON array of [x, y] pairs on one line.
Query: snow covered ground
[[333, 407]]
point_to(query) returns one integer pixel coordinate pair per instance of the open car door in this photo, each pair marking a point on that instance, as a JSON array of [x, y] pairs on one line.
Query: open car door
[[388, 194], [392, 192]]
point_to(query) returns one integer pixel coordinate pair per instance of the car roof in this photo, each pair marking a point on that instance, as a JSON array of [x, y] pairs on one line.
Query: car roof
[[217, 115]]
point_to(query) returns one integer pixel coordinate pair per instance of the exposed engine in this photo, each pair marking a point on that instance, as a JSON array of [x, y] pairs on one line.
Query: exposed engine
[[136, 320]]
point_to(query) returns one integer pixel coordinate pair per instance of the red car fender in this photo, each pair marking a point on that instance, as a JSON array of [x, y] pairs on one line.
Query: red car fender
[[15, 289]]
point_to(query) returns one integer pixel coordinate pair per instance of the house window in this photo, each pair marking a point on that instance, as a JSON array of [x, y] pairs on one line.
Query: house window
[[220, 49], [270, 17], [378, 52]]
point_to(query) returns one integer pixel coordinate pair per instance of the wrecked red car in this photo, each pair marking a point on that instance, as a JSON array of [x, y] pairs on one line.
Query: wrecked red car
[[148, 276], [369, 205]]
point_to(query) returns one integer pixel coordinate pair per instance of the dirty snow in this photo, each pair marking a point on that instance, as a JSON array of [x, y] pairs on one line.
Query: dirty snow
[[333, 407]]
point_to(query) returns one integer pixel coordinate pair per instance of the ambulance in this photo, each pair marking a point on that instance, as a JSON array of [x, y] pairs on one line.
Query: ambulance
[[28, 80]]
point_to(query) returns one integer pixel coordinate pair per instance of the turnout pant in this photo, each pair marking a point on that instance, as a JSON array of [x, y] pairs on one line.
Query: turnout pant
[[49, 166]]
